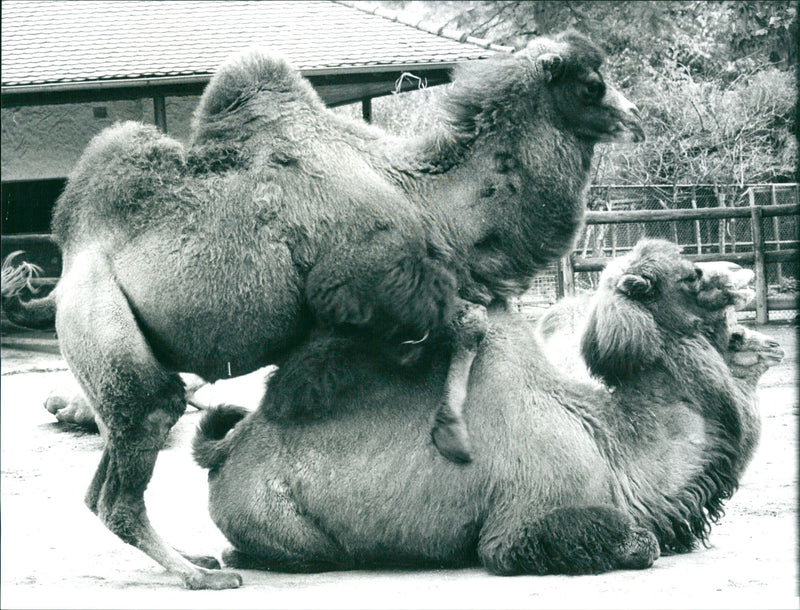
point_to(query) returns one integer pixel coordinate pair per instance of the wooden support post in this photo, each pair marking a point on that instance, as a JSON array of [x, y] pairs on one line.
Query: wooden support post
[[698, 237], [560, 279], [366, 109], [722, 225], [567, 276], [776, 229], [160, 112], [675, 239], [762, 314]]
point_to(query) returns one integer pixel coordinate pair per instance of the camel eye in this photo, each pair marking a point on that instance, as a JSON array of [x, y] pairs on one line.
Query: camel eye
[[695, 276], [595, 89]]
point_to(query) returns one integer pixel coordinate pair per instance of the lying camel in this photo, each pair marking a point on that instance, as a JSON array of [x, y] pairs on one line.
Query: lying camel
[[284, 225], [570, 477]]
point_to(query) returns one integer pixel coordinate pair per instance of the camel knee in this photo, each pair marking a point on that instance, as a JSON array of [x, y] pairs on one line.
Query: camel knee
[[124, 471], [469, 326], [572, 540], [127, 521]]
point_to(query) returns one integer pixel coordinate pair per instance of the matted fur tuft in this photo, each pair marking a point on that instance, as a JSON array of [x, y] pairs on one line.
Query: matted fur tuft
[[207, 447], [620, 340]]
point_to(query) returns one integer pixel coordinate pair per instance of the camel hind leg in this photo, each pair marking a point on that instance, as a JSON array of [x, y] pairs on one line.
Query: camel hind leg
[[136, 402]]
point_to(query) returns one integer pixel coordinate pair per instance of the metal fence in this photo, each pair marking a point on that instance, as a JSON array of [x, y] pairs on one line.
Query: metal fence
[[710, 222]]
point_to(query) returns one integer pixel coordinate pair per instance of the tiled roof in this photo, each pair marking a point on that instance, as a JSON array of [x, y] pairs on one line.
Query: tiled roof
[[49, 42]]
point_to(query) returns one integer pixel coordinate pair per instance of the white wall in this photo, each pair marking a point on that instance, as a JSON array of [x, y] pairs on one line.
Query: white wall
[[46, 141]]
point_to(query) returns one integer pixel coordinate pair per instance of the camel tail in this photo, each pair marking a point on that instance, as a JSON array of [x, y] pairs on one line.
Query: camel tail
[[210, 444], [36, 313]]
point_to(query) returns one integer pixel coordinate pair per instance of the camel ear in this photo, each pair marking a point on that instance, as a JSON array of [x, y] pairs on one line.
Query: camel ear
[[637, 287], [553, 66]]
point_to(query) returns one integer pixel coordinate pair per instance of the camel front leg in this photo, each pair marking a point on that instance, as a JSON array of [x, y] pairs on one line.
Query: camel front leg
[[450, 434], [566, 540]]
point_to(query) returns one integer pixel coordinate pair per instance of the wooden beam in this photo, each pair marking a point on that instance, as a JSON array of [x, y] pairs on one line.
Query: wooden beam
[[337, 93], [366, 109], [160, 112], [598, 263], [760, 269], [334, 89], [698, 214]]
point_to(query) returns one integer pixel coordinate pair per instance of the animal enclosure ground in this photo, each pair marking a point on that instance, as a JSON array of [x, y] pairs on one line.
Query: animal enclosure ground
[[56, 554]]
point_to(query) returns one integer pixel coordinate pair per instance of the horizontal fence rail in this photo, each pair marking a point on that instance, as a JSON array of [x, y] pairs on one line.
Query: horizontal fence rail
[[594, 218]]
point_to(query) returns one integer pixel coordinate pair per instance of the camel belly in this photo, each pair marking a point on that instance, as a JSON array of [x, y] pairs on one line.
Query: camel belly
[[217, 312], [373, 497]]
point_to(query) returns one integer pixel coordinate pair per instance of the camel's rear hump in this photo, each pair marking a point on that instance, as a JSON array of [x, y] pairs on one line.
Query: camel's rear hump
[[121, 181]]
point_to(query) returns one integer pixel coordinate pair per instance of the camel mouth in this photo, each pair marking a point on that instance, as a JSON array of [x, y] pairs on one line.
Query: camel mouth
[[757, 350], [773, 355], [627, 123], [626, 131], [623, 131]]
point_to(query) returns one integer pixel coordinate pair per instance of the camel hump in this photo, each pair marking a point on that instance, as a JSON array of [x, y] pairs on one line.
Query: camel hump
[[121, 175], [209, 446], [126, 142], [249, 85]]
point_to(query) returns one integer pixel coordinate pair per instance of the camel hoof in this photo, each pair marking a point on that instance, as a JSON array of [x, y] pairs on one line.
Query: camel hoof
[[71, 411], [452, 441], [639, 551], [206, 579]]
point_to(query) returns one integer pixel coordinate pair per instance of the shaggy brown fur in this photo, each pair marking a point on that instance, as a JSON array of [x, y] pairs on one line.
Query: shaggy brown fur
[[561, 327], [285, 225], [568, 477]]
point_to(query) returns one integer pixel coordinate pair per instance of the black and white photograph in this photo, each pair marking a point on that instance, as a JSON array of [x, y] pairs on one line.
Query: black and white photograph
[[425, 304]]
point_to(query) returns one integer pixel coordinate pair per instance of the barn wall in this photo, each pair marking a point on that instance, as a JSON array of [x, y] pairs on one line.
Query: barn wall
[[40, 142]]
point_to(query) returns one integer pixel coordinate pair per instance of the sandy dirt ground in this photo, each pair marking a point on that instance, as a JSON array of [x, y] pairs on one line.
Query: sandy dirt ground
[[56, 554]]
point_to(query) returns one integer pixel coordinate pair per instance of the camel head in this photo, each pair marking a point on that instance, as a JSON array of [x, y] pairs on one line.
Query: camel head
[[557, 79], [751, 353], [585, 103], [654, 293]]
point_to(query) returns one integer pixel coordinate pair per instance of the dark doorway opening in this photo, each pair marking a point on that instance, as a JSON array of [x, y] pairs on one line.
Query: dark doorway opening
[[27, 205]]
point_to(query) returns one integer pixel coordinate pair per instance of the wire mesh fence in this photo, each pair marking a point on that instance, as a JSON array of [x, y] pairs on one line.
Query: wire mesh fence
[[724, 236]]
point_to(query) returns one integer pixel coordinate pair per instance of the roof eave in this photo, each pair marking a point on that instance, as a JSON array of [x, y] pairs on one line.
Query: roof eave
[[193, 84]]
